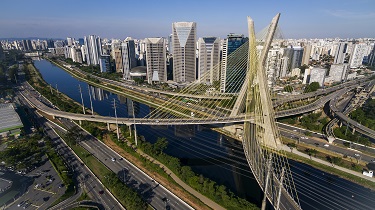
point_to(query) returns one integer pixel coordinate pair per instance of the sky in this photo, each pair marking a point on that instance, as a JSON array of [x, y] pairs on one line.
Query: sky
[[153, 18]]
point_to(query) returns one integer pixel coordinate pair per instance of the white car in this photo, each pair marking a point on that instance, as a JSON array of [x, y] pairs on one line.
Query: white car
[[113, 159], [326, 145], [357, 155]]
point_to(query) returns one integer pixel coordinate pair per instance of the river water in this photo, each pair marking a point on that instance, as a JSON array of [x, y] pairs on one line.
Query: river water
[[213, 155]]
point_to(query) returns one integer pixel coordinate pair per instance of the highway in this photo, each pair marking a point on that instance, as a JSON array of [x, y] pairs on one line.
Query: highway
[[319, 141], [158, 196], [175, 121], [352, 123], [284, 99], [154, 193], [82, 175]]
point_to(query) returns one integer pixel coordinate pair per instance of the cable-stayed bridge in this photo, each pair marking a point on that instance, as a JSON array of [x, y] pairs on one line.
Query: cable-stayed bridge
[[247, 100]]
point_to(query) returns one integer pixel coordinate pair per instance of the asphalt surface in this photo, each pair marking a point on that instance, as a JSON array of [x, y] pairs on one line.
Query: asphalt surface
[[318, 140], [158, 196], [82, 174], [154, 193]]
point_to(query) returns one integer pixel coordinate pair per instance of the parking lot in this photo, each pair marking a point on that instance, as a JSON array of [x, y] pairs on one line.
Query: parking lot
[[46, 187]]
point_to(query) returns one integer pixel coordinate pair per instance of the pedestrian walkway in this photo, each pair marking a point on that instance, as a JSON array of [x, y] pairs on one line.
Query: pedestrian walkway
[[210, 203]]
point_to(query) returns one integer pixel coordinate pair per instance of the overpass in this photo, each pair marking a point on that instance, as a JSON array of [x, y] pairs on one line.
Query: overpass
[[177, 121], [342, 116]]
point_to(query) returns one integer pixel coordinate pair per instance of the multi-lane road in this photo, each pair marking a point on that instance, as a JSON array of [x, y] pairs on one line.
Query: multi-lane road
[[83, 176], [154, 193], [318, 140]]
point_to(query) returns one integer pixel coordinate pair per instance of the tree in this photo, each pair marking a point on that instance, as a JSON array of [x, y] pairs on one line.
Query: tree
[[288, 88], [160, 145], [312, 87], [291, 146]]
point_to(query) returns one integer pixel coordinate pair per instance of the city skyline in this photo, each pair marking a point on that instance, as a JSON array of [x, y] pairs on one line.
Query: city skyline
[[322, 19]]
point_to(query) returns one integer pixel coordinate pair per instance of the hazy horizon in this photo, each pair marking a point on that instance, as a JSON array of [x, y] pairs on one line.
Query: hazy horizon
[[121, 19]]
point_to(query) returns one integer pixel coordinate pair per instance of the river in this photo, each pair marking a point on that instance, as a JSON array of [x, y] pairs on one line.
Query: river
[[213, 155]]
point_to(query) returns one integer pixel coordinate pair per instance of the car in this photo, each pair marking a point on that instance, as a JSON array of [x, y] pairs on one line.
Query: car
[[21, 203], [326, 145], [61, 185], [295, 130], [26, 205], [101, 192], [357, 155], [113, 159]]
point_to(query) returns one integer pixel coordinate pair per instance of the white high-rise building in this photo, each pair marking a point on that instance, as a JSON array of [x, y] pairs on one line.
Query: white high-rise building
[[156, 63], [340, 53], [93, 49], [337, 72], [317, 75], [209, 59], [357, 55], [128, 57], [184, 46]]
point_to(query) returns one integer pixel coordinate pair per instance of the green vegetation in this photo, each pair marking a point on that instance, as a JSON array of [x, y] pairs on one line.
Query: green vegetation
[[57, 98], [288, 88], [344, 132], [207, 187], [312, 87], [63, 172], [330, 169], [23, 152], [127, 196], [312, 121], [365, 114]]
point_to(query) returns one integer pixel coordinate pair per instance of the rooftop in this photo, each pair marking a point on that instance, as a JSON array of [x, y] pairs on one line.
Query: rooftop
[[9, 118]]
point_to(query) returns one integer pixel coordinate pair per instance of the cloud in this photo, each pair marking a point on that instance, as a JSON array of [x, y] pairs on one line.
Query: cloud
[[350, 15]]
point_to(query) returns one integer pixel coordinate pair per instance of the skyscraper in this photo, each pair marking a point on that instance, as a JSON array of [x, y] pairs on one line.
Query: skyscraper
[[229, 80], [184, 59], [70, 41], [208, 59], [93, 49], [357, 55], [297, 57], [306, 54], [340, 53], [128, 57], [156, 60], [1, 53]]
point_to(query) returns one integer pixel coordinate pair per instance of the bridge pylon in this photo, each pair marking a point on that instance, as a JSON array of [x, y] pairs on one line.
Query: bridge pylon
[[261, 139]]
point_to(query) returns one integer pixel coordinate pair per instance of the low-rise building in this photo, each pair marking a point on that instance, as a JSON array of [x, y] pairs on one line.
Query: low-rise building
[[10, 123]]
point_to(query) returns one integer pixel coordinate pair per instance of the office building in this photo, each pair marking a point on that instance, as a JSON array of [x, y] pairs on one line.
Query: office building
[[297, 57], [93, 49], [232, 78], [118, 59], [156, 63], [129, 60], [2, 56], [184, 47], [208, 59], [105, 63]]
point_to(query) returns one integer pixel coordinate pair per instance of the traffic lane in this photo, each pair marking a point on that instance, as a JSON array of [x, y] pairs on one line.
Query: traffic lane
[[321, 143], [79, 169], [105, 155], [94, 186]]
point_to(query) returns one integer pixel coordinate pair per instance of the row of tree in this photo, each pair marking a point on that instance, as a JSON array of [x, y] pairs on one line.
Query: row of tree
[[218, 193]]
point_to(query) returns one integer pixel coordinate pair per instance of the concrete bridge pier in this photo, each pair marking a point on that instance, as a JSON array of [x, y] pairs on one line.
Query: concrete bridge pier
[[53, 117], [108, 127], [80, 122], [353, 130]]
